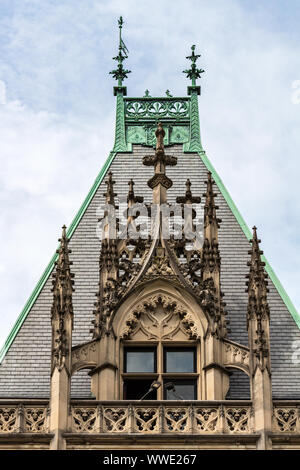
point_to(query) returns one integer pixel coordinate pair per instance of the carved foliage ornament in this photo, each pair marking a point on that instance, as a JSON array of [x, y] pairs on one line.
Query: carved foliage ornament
[[160, 317], [155, 108]]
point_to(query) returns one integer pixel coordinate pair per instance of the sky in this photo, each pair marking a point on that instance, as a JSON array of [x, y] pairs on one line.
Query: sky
[[57, 113]]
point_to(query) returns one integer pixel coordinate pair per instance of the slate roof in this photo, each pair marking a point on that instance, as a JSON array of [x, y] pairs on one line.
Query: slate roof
[[25, 369]]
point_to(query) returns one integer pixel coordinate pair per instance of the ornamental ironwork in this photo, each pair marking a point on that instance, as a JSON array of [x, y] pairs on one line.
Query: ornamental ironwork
[[157, 108]]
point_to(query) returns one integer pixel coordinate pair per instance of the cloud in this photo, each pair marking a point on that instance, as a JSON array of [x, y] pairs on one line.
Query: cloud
[[48, 164], [57, 115], [2, 92]]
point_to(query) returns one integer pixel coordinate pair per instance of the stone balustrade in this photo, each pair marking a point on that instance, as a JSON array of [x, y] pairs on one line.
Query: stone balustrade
[[148, 417], [155, 417], [27, 416]]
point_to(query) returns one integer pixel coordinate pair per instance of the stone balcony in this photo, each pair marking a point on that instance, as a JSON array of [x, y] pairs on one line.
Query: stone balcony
[[159, 423], [157, 417]]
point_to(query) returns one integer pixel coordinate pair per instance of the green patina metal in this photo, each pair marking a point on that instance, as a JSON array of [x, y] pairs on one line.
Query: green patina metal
[[120, 135], [120, 74], [136, 118], [142, 115], [194, 144], [135, 124], [193, 73]]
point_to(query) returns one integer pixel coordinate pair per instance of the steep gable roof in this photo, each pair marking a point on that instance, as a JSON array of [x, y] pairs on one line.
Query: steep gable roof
[[136, 120]]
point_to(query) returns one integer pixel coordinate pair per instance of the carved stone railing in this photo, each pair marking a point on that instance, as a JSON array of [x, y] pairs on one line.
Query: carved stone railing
[[29, 416], [155, 417], [286, 417], [148, 417]]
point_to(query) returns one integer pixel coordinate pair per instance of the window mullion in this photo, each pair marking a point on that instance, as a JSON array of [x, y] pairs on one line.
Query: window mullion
[[160, 370]]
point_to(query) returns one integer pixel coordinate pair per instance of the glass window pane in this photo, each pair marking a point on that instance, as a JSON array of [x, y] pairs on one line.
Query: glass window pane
[[136, 389], [181, 390], [140, 360], [179, 360]]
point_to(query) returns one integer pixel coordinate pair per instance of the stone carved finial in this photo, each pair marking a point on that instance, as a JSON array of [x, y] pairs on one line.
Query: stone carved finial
[[160, 160], [132, 198], [160, 134], [188, 198], [210, 207], [210, 252], [258, 311], [109, 194], [62, 308], [211, 263], [257, 281], [116, 266]]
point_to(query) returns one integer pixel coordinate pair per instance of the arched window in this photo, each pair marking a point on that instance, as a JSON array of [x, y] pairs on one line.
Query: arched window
[[160, 345]]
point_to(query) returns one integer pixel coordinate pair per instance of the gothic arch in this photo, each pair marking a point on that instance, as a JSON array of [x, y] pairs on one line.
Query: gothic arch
[[176, 312], [84, 356]]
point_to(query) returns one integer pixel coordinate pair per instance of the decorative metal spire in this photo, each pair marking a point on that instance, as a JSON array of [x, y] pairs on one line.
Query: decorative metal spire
[[120, 73], [193, 73]]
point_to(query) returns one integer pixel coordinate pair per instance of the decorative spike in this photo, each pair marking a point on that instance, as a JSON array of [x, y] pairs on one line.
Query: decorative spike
[[211, 260], [62, 308], [210, 207], [109, 194], [188, 198], [193, 73], [131, 198], [120, 73], [258, 313]]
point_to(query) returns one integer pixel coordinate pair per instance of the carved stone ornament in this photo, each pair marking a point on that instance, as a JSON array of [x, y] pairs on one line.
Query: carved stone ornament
[[236, 355], [84, 419], [36, 419], [286, 419], [8, 419], [62, 308], [238, 419], [115, 419], [160, 317], [207, 419]]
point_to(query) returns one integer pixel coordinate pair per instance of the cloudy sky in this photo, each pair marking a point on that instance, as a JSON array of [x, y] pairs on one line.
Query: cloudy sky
[[57, 115]]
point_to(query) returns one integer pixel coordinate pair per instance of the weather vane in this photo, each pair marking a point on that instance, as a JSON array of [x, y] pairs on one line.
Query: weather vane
[[193, 73], [120, 73]]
